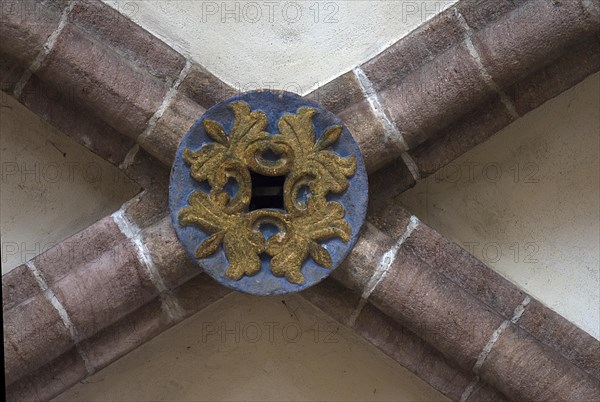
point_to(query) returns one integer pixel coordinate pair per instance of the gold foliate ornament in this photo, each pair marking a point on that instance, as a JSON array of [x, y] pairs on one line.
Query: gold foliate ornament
[[305, 162]]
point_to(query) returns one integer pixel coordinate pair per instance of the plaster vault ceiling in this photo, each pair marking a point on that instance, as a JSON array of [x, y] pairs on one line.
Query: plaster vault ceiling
[[291, 45]]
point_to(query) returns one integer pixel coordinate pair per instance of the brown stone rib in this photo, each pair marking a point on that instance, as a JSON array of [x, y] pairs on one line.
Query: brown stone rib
[[106, 289], [148, 207], [472, 129], [113, 342], [384, 210], [433, 96], [34, 334], [175, 122], [571, 68], [526, 369], [413, 52], [438, 310], [394, 339], [114, 68], [62, 111], [95, 276], [17, 286], [344, 97], [497, 293], [527, 94], [376, 148], [198, 91], [532, 36], [458, 266], [148, 321], [424, 100], [11, 70], [82, 248], [108, 26], [412, 352], [49, 380], [28, 24], [170, 259], [104, 78], [479, 13], [359, 266], [335, 299], [103, 81], [439, 88], [436, 296], [556, 332], [108, 297], [204, 88], [126, 334]]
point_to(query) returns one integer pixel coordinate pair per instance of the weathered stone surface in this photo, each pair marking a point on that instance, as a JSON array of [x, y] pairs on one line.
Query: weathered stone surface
[[412, 352], [470, 130], [435, 95], [34, 335], [358, 268], [479, 13], [147, 208], [150, 205], [385, 186], [162, 142], [531, 36], [104, 290], [461, 268], [204, 88], [377, 150], [126, 334], [334, 299], [144, 170], [50, 380], [577, 346], [338, 94], [11, 71], [61, 110], [81, 248], [416, 49], [18, 285], [526, 370], [169, 257], [486, 393], [481, 123], [102, 81], [199, 292], [571, 68], [26, 25], [132, 42], [478, 125], [437, 310]]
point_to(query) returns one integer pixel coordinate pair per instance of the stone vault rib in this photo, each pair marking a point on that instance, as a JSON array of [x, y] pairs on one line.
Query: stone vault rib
[[78, 85]]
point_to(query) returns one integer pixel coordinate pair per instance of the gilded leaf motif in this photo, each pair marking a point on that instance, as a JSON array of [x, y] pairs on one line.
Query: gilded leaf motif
[[314, 225], [305, 163]]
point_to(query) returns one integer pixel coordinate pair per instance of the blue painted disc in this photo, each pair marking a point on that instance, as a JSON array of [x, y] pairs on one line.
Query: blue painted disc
[[274, 104]]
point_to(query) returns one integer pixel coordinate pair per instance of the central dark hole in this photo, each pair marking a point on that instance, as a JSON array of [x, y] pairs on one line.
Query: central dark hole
[[267, 191]]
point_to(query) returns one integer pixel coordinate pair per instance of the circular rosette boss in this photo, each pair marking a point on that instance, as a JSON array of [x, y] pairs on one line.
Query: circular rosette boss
[[268, 192]]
